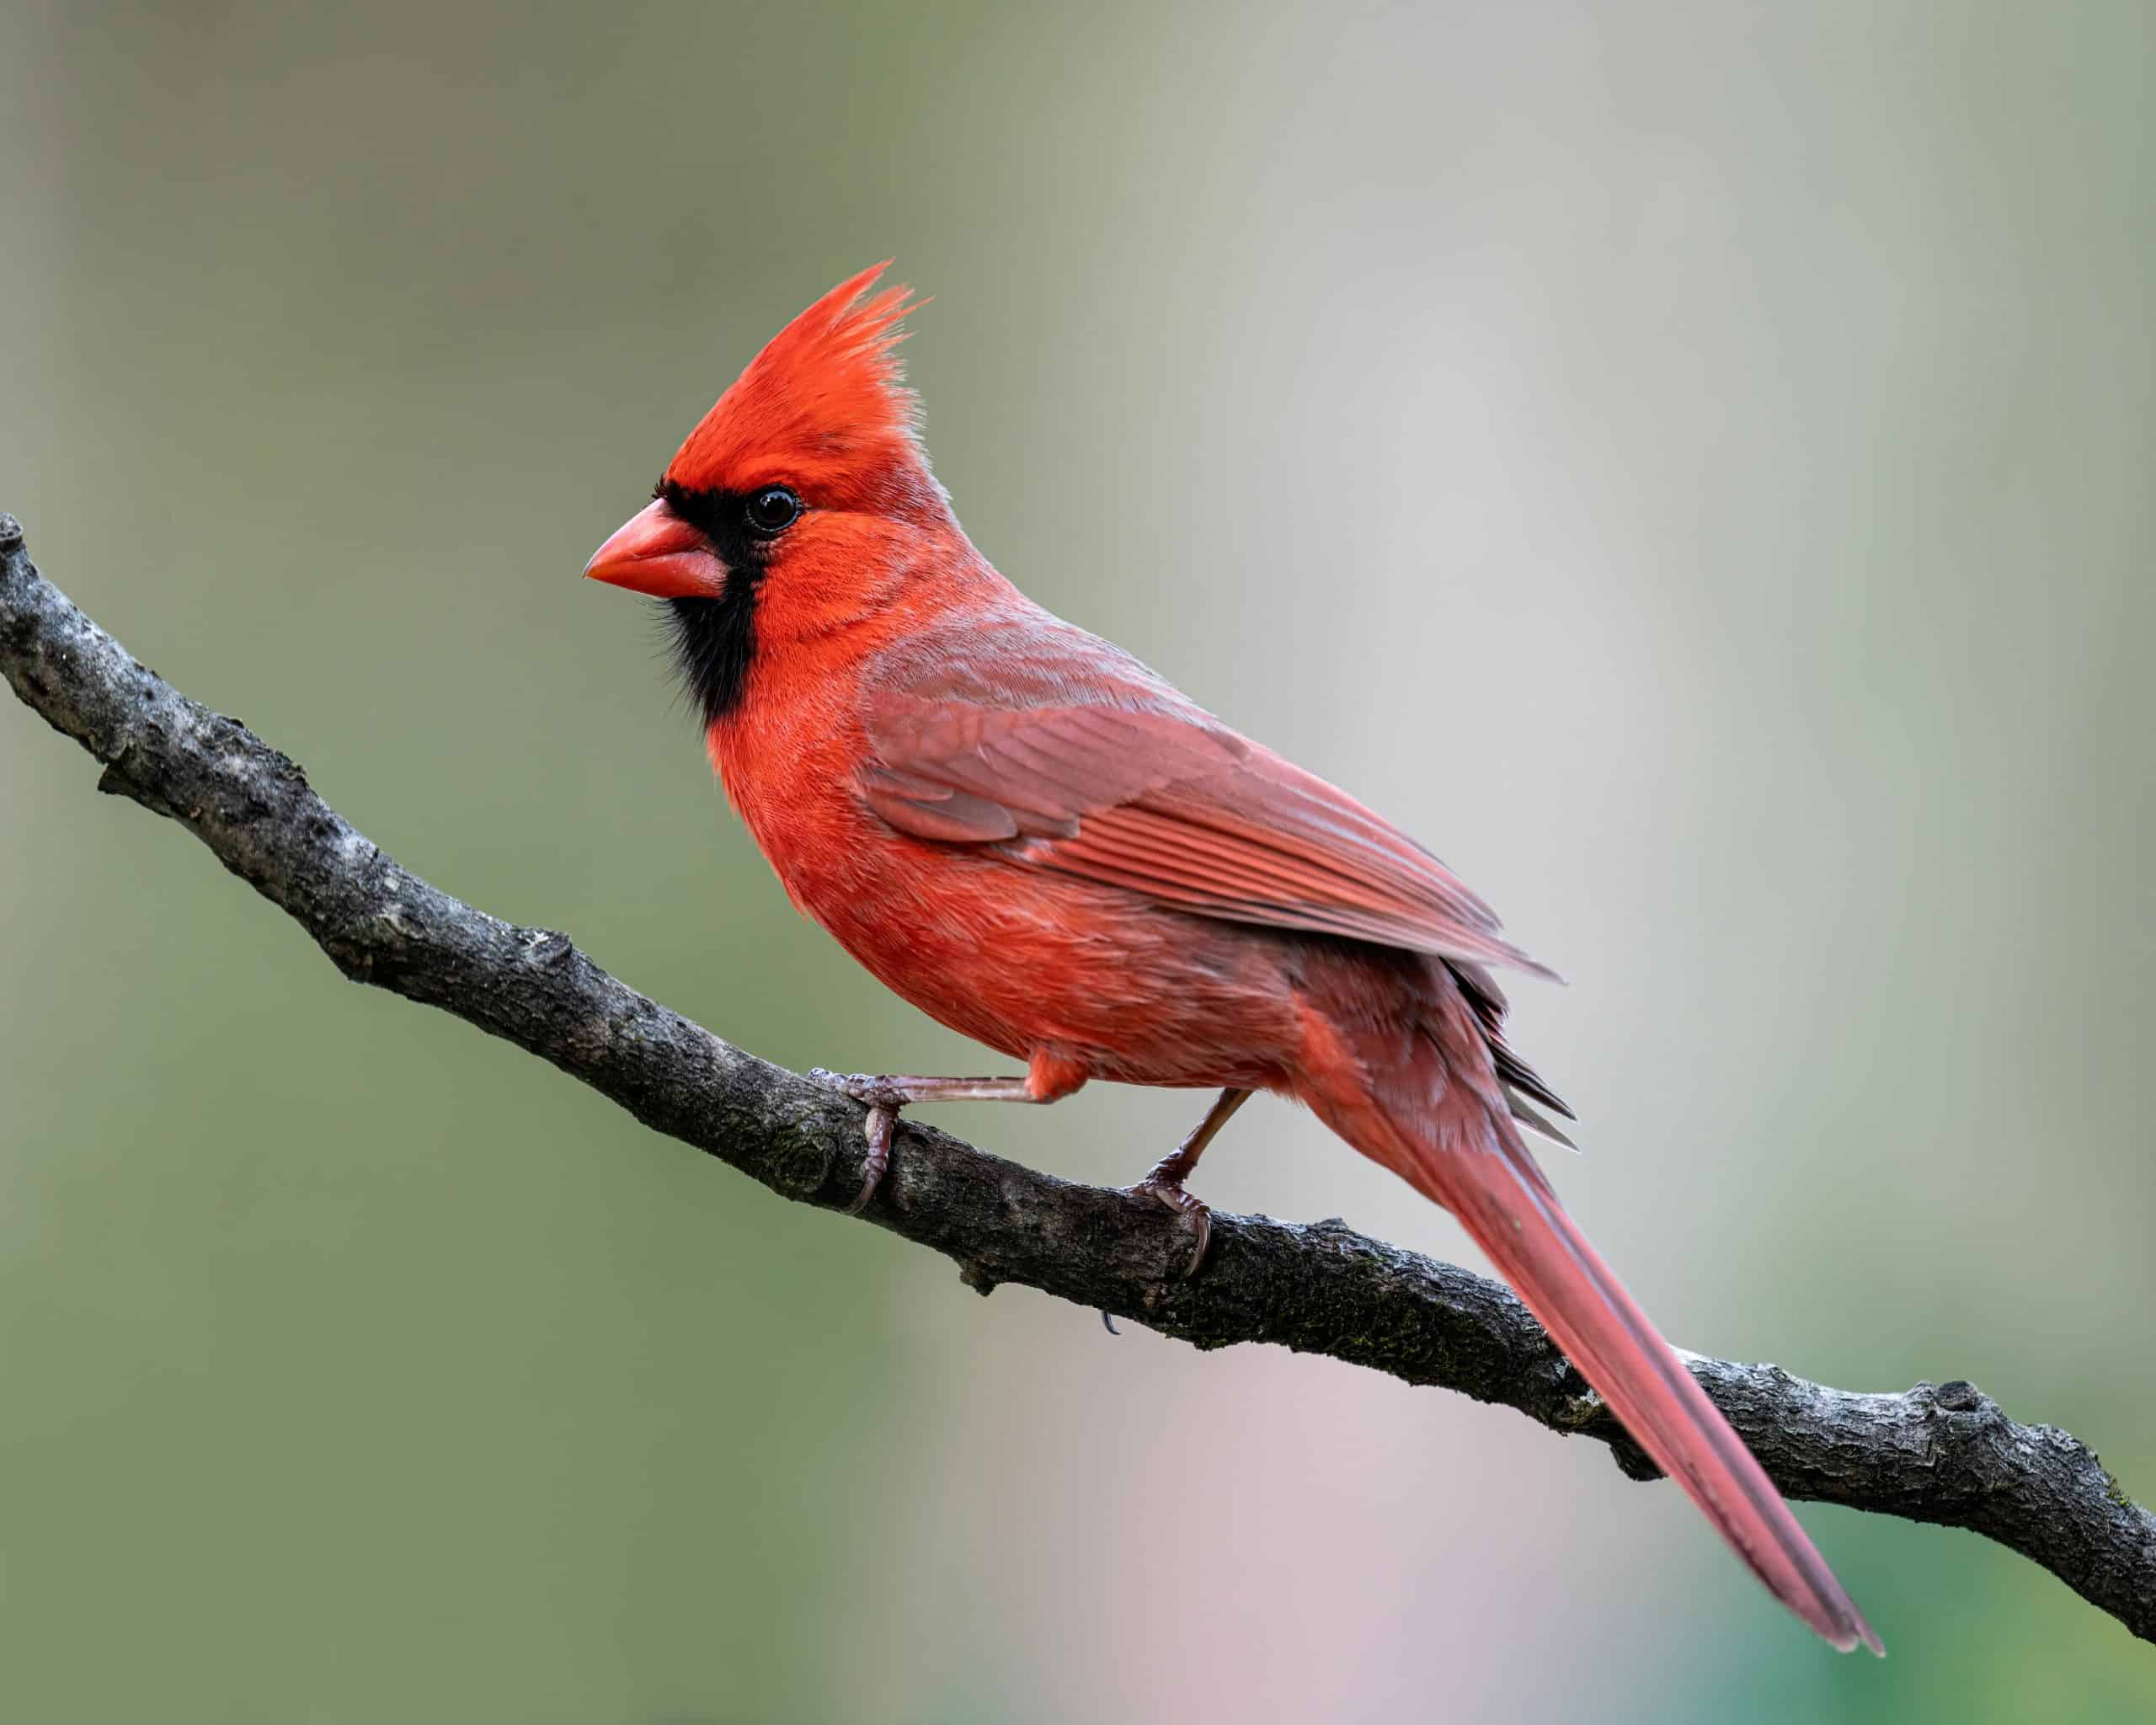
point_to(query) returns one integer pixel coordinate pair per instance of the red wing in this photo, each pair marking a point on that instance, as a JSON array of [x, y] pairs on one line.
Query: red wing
[[1158, 797]]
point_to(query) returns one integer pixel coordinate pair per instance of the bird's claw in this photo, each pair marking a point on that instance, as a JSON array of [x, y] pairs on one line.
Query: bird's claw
[[882, 1099], [1197, 1218], [882, 1123], [868, 1088]]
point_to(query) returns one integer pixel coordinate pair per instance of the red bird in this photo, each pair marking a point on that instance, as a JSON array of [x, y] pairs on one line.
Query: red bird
[[1043, 844]]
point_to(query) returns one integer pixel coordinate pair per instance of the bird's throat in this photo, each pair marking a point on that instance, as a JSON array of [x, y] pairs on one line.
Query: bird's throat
[[714, 642]]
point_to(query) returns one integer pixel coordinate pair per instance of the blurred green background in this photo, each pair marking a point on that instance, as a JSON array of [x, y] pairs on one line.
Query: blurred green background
[[1690, 464]]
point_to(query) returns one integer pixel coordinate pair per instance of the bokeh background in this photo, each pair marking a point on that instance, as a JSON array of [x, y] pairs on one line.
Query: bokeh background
[[1690, 464]]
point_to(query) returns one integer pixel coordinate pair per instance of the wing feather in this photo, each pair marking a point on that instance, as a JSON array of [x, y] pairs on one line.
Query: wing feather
[[1061, 753]]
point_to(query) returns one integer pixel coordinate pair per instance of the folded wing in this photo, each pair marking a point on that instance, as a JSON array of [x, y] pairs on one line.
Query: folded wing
[[1059, 752]]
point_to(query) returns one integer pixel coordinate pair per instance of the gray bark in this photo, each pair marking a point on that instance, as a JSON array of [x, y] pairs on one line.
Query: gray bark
[[1945, 1453]]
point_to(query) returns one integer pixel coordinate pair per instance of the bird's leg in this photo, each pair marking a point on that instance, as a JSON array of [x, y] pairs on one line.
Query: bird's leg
[[1165, 1181], [1047, 1080], [887, 1094]]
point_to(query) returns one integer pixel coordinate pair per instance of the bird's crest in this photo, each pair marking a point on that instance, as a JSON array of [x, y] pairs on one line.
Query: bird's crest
[[823, 408]]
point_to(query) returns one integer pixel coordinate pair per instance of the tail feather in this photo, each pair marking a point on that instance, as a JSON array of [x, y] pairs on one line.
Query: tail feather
[[1486, 1176]]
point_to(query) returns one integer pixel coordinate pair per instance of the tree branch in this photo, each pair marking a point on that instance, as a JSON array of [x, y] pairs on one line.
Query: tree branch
[[1946, 1454]]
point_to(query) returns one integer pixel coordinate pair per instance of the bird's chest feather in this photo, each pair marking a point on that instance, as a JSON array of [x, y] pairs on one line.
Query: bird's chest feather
[[790, 764], [789, 768], [1013, 957]]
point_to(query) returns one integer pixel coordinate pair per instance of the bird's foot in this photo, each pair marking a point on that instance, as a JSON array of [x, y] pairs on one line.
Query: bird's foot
[[1197, 1218], [874, 1090], [884, 1097]]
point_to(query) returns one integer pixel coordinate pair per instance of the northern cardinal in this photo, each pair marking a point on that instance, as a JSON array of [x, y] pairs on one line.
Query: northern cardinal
[[1043, 844]]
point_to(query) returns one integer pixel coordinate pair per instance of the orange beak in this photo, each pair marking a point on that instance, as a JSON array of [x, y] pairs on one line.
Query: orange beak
[[656, 552]]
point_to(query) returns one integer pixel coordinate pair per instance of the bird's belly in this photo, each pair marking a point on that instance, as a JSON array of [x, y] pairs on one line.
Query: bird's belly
[[1024, 959]]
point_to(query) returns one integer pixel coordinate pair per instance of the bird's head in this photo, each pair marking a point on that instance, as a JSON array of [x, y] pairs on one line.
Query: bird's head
[[794, 498]]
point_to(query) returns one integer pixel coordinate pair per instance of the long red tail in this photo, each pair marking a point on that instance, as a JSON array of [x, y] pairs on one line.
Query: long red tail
[[1470, 1158]]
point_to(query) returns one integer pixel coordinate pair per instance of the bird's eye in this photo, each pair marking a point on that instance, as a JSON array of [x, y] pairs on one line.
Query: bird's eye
[[773, 510]]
